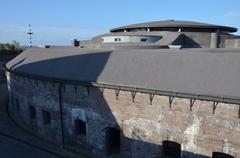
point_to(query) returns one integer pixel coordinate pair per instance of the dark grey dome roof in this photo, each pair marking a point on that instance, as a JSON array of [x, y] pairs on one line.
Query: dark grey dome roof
[[175, 24], [212, 72]]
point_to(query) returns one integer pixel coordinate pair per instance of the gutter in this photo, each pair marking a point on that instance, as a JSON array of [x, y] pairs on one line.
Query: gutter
[[118, 88]]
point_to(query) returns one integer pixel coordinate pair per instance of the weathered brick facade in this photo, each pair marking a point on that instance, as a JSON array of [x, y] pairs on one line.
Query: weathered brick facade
[[143, 125]]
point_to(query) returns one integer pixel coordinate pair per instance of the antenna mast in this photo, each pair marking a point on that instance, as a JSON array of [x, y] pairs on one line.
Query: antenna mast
[[30, 35]]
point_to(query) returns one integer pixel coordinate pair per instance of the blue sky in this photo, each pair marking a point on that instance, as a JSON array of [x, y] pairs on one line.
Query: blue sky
[[57, 21]]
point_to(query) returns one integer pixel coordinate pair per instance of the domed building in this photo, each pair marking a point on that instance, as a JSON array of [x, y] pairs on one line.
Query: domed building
[[165, 34], [158, 89]]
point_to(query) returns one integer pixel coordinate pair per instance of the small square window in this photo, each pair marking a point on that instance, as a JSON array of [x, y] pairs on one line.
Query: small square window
[[143, 40], [32, 112], [80, 127], [46, 117], [117, 39]]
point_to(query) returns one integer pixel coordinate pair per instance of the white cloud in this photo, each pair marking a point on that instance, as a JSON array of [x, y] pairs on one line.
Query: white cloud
[[232, 14]]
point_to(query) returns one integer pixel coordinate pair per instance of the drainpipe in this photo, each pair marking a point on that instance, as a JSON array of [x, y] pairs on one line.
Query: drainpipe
[[214, 40], [60, 110]]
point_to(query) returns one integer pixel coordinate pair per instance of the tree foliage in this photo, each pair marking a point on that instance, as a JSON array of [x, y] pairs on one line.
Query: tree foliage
[[8, 48], [15, 43]]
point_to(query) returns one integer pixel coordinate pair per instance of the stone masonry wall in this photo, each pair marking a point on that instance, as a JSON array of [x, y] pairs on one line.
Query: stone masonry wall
[[40, 95], [143, 126]]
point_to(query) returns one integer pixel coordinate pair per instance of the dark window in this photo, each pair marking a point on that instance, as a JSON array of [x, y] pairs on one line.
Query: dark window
[[165, 29], [171, 149], [138, 30], [17, 104], [46, 117], [221, 155], [80, 127], [112, 141], [32, 112], [198, 30], [117, 39], [143, 40]]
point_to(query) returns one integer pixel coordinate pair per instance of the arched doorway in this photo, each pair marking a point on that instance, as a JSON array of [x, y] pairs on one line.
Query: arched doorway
[[171, 149], [80, 128], [112, 140], [221, 155]]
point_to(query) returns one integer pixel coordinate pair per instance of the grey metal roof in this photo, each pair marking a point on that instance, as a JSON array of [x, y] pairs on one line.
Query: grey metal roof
[[174, 24], [214, 72]]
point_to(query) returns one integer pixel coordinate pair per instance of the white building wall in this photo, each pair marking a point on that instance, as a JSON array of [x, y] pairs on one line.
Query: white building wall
[[134, 39]]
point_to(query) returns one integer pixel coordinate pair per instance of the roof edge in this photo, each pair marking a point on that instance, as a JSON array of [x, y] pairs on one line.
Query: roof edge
[[174, 24], [202, 97]]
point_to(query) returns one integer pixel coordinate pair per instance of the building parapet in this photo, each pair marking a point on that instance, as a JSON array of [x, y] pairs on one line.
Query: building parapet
[[134, 90]]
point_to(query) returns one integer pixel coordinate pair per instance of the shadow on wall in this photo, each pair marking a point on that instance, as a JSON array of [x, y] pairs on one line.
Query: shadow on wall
[[186, 42], [168, 149], [88, 121]]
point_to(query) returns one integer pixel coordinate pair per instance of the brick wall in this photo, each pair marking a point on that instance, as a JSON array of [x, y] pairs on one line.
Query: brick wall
[[143, 125]]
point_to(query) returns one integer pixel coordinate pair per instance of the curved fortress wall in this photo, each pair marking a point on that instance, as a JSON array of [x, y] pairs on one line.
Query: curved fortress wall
[[109, 122]]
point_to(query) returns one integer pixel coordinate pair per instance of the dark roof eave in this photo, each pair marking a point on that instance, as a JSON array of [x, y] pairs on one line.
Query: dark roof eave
[[175, 24], [227, 29]]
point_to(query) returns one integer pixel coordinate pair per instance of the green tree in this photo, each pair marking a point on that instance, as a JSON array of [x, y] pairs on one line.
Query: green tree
[[2, 46], [15, 43]]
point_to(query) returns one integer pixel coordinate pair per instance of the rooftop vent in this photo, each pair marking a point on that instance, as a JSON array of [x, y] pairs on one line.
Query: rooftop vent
[[75, 43]]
